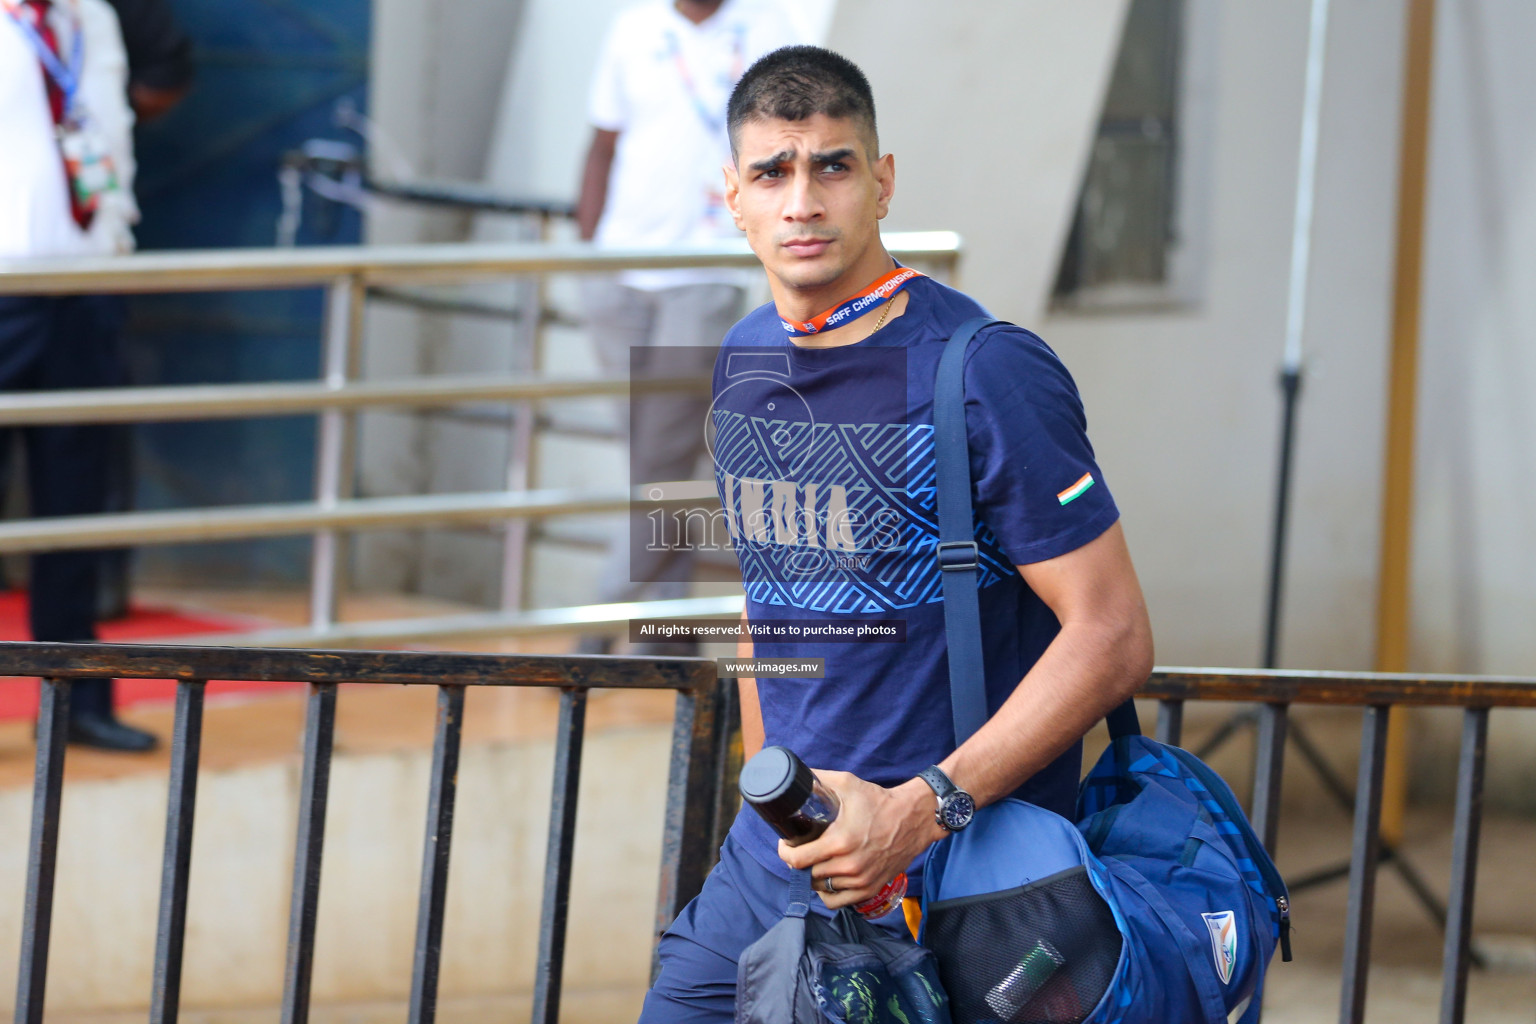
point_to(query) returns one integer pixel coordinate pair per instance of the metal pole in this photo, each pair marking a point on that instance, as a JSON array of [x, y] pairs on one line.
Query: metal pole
[[1397, 484], [1296, 314], [335, 444], [527, 358]]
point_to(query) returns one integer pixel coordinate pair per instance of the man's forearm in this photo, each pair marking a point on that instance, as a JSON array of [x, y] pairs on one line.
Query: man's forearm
[[594, 182], [1087, 671]]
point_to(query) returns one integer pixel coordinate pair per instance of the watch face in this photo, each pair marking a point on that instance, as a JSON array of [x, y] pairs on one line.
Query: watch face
[[957, 810]]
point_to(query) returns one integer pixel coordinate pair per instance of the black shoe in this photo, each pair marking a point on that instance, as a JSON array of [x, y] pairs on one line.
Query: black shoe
[[105, 733]]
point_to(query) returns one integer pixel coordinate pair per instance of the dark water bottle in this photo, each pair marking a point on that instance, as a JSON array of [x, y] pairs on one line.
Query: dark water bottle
[[796, 805]]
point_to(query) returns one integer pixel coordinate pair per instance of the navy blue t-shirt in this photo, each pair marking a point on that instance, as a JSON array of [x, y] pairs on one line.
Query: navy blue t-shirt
[[824, 461]]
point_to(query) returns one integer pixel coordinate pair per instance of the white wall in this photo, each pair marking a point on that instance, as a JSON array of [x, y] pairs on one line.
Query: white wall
[[1183, 403], [989, 109], [1475, 549], [437, 68], [1474, 581]]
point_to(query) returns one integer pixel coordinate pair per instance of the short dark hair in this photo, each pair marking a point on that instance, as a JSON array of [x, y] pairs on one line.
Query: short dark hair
[[796, 82]]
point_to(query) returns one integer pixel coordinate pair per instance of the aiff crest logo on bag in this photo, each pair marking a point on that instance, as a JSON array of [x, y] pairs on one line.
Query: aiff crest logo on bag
[[1223, 928]]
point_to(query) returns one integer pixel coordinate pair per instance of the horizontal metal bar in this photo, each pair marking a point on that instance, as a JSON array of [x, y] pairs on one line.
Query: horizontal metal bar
[[465, 194], [135, 661], [183, 526], [235, 401], [594, 618], [223, 269], [1353, 689], [433, 302]]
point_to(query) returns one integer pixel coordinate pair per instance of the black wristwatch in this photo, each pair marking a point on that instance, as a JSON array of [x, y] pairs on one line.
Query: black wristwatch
[[956, 806]]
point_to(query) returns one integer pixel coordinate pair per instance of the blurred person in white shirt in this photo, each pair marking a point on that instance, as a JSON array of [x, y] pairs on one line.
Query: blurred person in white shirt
[[66, 189], [653, 178]]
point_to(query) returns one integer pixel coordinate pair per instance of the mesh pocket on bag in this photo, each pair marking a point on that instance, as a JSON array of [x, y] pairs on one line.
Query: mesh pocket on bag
[[1040, 954]]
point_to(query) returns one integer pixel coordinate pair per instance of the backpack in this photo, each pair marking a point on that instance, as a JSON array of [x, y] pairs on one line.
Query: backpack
[[808, 969], [1159, 904]]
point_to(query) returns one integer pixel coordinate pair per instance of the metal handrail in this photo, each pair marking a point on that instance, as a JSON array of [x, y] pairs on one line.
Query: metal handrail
[[692, 830], [587, 618], [64, 533], [217, 269], [699, 782], [179, 526], [348, 273], [1352, 689], [237, 401]]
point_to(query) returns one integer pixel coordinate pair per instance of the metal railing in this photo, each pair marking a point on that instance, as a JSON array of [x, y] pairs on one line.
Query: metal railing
[[349, 274], [1376, 694], [700, 787], [693, 827]]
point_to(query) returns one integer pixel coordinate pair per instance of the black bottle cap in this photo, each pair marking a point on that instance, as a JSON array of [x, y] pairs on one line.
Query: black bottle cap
[[776, 782]]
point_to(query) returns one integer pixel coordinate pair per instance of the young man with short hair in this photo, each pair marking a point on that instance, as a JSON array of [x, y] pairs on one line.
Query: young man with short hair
[[825, 467]]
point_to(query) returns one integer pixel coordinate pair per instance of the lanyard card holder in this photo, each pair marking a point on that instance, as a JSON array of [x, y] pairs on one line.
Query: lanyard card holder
[[87, 162]]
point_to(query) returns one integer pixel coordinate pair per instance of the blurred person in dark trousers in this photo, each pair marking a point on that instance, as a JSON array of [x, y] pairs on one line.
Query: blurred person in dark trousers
[[654, 178], [159, 75], [66, 190]]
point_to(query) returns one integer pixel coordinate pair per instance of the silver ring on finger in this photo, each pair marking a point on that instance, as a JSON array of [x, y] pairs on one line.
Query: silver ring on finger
[[826, 883]]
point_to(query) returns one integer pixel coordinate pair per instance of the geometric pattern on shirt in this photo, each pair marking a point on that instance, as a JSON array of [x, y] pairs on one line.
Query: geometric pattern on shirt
[[889, 475]]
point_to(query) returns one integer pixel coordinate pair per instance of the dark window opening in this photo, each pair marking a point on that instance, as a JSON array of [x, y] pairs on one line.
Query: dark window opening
[[1124, 225]]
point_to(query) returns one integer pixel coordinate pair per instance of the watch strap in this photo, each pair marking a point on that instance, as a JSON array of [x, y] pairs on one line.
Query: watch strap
[[939, 781]]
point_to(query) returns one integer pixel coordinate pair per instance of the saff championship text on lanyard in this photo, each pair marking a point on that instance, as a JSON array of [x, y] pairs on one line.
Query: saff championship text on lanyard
[[870, 298]]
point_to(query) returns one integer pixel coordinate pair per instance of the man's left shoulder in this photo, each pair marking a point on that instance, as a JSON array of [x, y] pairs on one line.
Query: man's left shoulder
[[1007, 342], [1001, 341], [947, 307]]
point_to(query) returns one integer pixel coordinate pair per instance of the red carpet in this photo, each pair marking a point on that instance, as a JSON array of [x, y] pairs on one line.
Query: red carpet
[[18, 697]]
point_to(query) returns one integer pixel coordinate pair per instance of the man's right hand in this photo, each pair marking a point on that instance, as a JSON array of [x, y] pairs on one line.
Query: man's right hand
[[876, 835]]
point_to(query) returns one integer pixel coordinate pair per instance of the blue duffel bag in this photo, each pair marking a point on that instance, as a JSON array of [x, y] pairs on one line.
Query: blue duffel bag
[[1158, 905]]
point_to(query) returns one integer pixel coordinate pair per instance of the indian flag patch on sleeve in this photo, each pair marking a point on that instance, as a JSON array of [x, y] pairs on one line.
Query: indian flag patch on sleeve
[[1072, 493]]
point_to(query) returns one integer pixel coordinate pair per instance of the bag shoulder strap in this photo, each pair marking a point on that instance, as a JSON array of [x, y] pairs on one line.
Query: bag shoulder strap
[[958, 554]]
